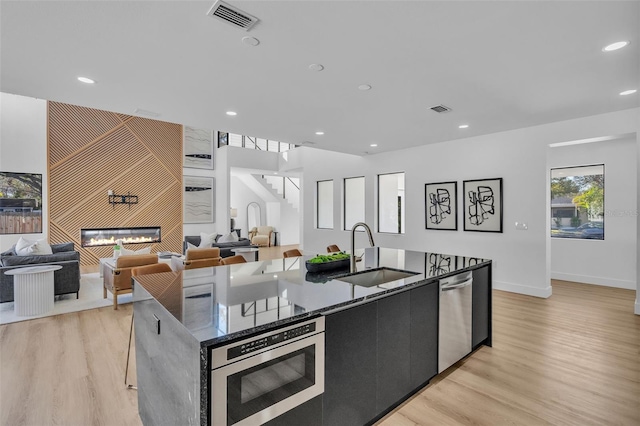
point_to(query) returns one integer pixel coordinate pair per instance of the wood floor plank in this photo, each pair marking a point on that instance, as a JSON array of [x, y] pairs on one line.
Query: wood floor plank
[[571, 359]]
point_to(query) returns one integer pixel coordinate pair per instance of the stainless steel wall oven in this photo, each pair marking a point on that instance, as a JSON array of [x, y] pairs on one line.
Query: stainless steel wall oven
[[259, 378]]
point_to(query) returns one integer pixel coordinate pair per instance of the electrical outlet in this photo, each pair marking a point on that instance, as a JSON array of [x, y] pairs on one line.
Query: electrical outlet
[[521, 226]]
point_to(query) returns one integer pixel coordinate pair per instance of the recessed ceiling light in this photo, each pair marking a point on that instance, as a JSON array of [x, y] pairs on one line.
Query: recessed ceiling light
[[364, 87], [319, 133], [374, 145], [250, 41], [316, 67], [463, 126], [628, 92], [615, 46], [232, 113], [86, 80]]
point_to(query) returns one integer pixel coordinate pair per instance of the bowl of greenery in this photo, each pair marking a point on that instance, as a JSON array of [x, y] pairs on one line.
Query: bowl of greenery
[[327, 262]]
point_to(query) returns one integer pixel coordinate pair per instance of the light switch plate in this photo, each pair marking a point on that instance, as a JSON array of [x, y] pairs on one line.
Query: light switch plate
[[521, 226]]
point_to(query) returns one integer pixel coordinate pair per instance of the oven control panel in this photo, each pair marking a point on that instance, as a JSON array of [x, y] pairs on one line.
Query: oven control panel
[[277, 338]]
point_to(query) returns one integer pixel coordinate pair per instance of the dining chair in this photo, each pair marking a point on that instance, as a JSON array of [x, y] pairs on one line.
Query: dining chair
[[333, 248], [292, 253], [233, 259]]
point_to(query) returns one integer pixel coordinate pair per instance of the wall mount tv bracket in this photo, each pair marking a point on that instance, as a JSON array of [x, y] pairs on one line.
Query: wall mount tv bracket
[[123, 199]]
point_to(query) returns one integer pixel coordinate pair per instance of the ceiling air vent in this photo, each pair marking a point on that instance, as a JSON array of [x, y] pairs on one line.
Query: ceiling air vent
[[440, 108], [232, 15]]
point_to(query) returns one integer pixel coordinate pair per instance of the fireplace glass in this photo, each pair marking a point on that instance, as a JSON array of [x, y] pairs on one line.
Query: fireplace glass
[[108, 236]]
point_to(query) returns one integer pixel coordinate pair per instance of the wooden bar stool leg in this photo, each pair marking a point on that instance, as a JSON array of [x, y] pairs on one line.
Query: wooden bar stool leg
[[126, 369]]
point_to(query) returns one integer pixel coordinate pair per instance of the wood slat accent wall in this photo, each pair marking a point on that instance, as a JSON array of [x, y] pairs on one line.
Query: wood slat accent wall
[[92, 151]]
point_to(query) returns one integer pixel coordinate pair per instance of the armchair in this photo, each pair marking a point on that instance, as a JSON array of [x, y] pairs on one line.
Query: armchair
[[117, 274], [201, 258], [261, 236]]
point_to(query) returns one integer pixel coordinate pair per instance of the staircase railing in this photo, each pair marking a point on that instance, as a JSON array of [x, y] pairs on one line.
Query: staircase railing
[[285, 179], [250, 142]]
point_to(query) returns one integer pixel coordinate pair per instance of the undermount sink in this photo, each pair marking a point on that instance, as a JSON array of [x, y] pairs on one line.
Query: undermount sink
[[376, 277]]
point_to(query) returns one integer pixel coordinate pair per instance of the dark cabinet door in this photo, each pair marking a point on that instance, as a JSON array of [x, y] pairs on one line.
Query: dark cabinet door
[[394, 322], [481, 307], [424, 334], [350, 366]]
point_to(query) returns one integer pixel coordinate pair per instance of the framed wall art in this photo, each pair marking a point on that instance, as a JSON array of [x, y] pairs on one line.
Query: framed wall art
[[441, 205], [198, 199], [198, 148], [482, 205], [223, 139], [20, 203]]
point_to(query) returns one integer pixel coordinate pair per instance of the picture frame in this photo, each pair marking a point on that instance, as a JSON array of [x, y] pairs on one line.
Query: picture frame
[[198, 195], [20, 203], [223, 139], [441, 206], [482, 205], [197, 148]]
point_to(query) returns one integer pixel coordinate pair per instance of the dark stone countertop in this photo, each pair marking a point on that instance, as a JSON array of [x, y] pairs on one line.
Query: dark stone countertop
[[227, 303]]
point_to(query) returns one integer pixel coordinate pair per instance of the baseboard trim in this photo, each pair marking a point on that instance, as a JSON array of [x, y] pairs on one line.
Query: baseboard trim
[[587, 279], [523, 289], [637, 308]]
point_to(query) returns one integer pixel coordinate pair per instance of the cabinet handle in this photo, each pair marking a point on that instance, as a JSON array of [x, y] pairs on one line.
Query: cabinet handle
[[157, 323], [457, 286]]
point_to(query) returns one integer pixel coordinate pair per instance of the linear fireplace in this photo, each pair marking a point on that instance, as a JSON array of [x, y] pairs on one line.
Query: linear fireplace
[[108, 236]]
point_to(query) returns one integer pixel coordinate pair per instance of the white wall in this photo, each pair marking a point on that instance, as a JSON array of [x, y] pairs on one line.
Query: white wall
[[521, 258], [610, 262], [284, 218], [637, 304], [241, 195], [23, 148]]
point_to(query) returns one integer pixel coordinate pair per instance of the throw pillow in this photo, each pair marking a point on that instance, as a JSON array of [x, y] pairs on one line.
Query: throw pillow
[[127, 252], [190, 246], [228, 238], [25, 247], [43, 247], [206, 240]]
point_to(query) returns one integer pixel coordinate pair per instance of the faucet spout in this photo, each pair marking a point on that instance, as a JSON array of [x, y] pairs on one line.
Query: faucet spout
[[353, 242]]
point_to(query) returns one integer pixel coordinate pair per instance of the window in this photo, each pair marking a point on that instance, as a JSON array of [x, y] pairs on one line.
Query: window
[[577, 202], [261, 144], [353, 201], [235, 140], [391, 203], [324, 204]]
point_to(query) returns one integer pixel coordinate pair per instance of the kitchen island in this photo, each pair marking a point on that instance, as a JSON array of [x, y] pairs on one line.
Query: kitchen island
[[268, 342]]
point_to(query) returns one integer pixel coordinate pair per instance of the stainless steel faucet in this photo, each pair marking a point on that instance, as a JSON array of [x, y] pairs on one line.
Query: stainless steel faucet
[[353, 242]]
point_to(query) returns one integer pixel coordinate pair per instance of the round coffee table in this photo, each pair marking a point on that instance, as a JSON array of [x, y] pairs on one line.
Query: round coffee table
[[250, 254], [33, 289]]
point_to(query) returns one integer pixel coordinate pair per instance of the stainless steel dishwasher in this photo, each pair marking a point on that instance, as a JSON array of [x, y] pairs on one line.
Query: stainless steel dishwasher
[[454, 331]]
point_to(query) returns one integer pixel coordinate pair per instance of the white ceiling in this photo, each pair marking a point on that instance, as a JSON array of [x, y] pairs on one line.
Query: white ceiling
[[499, 65]]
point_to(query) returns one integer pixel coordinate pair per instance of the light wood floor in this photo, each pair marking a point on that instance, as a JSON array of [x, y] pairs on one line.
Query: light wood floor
[[572, 359]]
